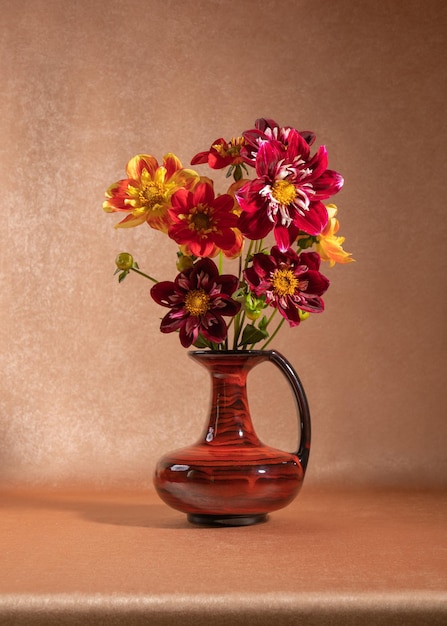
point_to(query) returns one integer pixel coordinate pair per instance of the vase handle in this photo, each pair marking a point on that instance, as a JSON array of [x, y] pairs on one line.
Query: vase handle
[[301, 402]]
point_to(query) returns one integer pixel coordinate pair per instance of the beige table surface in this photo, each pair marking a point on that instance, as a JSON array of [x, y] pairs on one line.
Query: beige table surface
[[116, 557]]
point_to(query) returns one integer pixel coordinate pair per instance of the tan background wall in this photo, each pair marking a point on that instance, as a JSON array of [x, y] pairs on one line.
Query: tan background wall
[[90, 390]]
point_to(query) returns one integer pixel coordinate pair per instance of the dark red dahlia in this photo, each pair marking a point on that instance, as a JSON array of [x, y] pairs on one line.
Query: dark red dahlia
[[290, 282], [198, 298]]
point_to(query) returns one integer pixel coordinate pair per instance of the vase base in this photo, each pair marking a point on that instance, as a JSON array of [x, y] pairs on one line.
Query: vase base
[[226, 520]]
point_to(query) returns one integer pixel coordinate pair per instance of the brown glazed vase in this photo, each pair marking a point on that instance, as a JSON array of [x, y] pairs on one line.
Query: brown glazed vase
[[229, 477]]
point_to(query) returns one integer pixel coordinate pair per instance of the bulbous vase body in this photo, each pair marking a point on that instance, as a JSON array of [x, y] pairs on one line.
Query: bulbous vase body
[[229, 477]]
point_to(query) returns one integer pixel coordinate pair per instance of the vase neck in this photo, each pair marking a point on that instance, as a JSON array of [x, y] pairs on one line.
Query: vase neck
[[229, 417]]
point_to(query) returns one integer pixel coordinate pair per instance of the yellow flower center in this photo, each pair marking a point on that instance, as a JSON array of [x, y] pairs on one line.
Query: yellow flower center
[[197, 302], [284, 192], [150, 194], [233, 147], [284, 282]]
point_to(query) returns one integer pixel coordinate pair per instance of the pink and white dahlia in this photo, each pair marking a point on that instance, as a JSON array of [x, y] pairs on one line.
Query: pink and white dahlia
[[267, 130], [287, 194]]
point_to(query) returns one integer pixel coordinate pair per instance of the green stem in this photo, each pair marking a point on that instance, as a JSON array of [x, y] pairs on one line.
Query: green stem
[[271, 317], [275, 332], [247, 257], [266, 326], [237, 328], [134, 269]]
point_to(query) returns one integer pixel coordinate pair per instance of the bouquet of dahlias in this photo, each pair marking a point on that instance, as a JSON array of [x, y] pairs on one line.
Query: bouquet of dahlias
[[283, 199]]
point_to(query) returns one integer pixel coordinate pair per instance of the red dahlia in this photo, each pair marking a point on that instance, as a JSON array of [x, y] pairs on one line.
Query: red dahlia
[[202, 223]]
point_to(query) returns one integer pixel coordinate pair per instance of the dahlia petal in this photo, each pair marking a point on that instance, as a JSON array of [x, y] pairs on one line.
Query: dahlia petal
[[228, 283], [331, 250], [328, 184], [269, 153], [252, 278], [312, 304], [227, 306], [264, 264], [289, 257], [262, 123], [162, 292], [191, 323], [119, 188], [171, 322], [131, 220], [202, 248], [289, 311], [255, 225], [172, 164], [313, 221], [282, 237], [200, 158], [249, 198], [139, 163], [203, 271], [236, 248], [317, 283], [297, 146], [318, 163], [188, 338], [311, 259], [203, 194], [216, 162], [224, 203], [179, 201], [184, 178], [161, 176], [226, 240], [213, 327], [308, 136], [159, 222]]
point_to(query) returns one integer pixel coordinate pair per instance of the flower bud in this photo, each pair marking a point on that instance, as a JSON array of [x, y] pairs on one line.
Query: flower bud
[[184, 262], [124, 261], [253, 306]]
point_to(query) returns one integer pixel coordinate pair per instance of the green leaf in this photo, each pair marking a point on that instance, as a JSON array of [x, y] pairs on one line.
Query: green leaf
[[306, 242], [230, 171], [237, 175], [252, 334], [263, 323], [122, 276], [201, 342]]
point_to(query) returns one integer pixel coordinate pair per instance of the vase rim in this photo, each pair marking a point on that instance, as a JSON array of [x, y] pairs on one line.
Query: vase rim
[[213, 353]]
